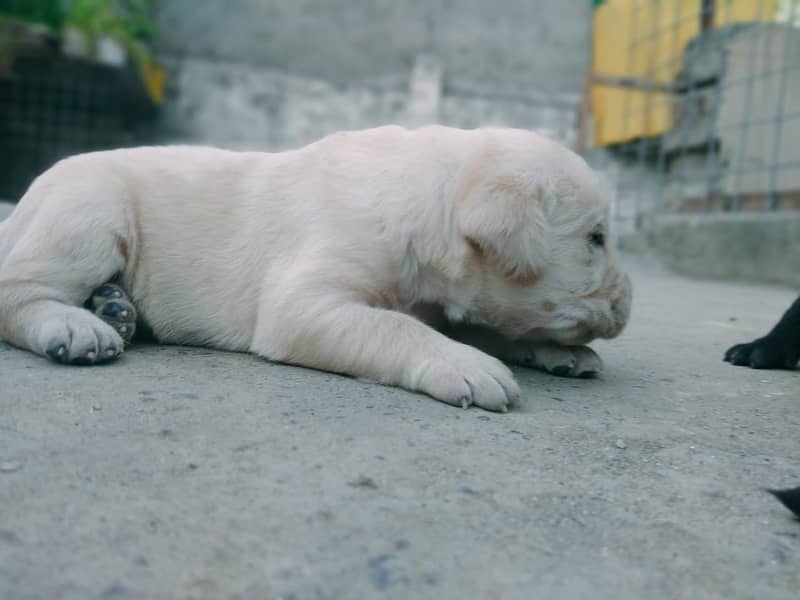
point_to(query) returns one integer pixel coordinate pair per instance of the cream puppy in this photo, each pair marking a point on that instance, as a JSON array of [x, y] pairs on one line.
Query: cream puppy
[[415, 258]]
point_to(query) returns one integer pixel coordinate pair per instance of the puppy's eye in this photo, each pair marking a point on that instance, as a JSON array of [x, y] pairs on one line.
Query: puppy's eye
[[597, 238]]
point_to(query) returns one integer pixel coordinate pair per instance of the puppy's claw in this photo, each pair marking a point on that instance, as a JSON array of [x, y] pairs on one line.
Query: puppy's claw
[[57, 351]]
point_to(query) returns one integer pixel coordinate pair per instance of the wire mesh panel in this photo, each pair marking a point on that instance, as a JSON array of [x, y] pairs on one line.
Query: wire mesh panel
[[700, 102], [67, 85], [54, 108]]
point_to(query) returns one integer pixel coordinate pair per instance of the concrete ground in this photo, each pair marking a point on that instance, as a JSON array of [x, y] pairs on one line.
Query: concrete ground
[[189, 473]]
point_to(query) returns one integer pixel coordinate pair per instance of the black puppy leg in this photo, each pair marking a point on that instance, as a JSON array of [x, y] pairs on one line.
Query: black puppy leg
[[779, 349]]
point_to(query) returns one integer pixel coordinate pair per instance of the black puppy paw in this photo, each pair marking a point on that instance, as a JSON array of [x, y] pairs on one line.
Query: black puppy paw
[[111, 304], [779, 349], [763, 353], [790, 498]]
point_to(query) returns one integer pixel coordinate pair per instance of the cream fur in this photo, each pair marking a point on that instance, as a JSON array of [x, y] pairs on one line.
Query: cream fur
[[344, 255]]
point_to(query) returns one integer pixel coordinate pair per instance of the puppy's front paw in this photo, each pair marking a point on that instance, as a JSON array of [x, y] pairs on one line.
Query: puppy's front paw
[[564, 361], [464, 376], [763, 353], [112, 305]]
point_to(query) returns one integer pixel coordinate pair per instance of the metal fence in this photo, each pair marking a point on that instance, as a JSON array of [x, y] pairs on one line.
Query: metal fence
[[702, 113], [65, 89]]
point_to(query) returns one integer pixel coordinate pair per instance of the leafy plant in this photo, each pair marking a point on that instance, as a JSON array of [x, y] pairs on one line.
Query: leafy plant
[[26, 26], [42, 12], [127, 21]]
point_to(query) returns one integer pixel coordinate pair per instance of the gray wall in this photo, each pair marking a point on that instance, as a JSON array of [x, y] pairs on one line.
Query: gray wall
[[540, 45], [762, 247], [275, 74], [240, 106]]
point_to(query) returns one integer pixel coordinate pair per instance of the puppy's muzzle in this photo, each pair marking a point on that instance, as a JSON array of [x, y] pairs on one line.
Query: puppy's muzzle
[[614, 297]]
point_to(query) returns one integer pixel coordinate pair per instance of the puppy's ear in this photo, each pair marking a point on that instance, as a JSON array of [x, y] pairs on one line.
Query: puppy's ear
[[502, 222]]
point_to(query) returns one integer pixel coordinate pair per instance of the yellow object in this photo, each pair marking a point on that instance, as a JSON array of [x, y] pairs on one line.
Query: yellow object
[[153, 77], [643, 40]]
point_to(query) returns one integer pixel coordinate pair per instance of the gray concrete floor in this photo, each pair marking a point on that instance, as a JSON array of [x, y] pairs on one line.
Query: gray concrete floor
[[189, 473]]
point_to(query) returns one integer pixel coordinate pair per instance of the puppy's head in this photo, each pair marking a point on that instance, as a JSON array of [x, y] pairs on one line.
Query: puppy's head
[[534, 219]]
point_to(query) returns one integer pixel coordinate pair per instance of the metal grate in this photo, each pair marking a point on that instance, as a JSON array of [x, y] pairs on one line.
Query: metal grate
[[52, 108], [709, 119], [60, 97]]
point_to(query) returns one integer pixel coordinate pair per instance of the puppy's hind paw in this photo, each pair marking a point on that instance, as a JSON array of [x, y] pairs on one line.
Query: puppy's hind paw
[[112, 305]]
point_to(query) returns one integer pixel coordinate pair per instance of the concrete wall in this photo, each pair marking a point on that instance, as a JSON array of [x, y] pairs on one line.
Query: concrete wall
[[243, 106], [540, 45], [760, 247], [275, 74]]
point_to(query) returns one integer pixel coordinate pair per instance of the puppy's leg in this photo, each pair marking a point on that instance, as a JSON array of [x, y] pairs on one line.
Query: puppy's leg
[[71, 247], [344, 335], [565, 361]]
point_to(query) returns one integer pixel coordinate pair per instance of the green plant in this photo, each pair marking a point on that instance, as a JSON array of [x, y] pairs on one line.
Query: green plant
[[26, 25], [42, 12], [127, 21]]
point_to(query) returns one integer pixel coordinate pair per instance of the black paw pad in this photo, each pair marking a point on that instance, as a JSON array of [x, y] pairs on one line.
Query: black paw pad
[[561, 370], [103, 294], [125, 330], [112, 304], [116, 310], [57, 350], [109, 290]]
